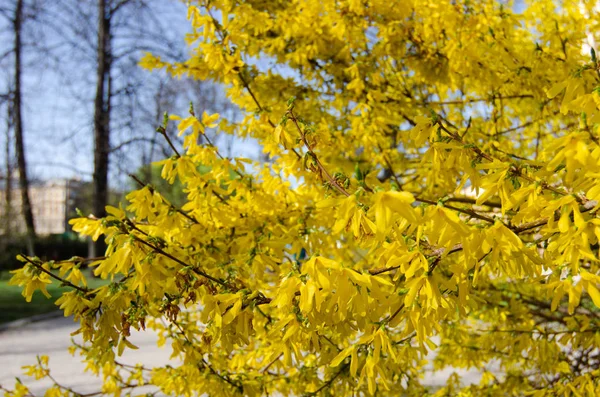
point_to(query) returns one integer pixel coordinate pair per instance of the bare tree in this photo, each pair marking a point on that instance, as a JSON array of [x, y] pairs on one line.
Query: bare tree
[[108, 37], [102, 113], [15, 16], [92, 48], [8, 170], [17, 119]]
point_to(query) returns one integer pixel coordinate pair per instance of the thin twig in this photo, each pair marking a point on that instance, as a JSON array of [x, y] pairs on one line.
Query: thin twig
[[322, 168], [180, 211], [182, 263], [161, 130], [265, 369], [474, 100], [464, 211], [54, 276], [329, 382]]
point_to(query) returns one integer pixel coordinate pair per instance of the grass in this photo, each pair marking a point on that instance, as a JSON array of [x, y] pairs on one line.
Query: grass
[[14, 307]]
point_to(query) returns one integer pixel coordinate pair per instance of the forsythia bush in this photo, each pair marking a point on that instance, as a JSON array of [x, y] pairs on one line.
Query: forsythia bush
[[431, 201]]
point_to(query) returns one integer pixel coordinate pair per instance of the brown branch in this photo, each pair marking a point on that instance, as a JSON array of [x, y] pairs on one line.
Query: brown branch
[[260, 299], [322, 168], [182, 263], [54, 276], [260, 108], [329, 382], [409, 337], [513, 168], [462, 210], [224, 378], [588, 206], [73, 392], [537, 332], [161, 130], [474, 100], [393, 315], [79, 259], [245, 83], [381, 270], [391, 168], [468, 200], [328, 339], [178, 210], [265, 369]]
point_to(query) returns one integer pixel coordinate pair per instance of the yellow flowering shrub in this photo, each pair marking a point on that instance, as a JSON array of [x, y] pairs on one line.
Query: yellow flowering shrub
[[430, 201]]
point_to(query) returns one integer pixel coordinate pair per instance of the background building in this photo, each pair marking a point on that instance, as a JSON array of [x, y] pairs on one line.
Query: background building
[[53, 205]]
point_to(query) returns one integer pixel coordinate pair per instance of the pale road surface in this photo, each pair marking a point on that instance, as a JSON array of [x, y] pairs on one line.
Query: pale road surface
[[20, 345]]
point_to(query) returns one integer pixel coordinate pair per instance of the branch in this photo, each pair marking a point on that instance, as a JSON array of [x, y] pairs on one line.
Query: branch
[[474, 100], [161, 130], [245, 83], [375, 272], [462, 210], [129, 142], [322, 168], [182, 263], [238, 385], [330, 381], [180, 211], [516, 170], [271, 363], [54, 276]]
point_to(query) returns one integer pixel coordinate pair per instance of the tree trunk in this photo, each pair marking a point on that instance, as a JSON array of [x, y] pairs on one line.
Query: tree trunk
[[102, 119], [8, 182], [18, 124]]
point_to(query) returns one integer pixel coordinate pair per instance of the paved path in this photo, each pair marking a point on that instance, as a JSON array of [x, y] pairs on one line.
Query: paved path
[[20, 345]]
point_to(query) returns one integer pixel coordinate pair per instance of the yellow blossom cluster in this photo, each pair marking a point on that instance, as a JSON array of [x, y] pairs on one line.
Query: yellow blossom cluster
[[430, 201]]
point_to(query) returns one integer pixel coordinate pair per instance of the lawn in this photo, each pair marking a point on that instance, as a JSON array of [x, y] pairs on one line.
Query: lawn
[[13, 305]]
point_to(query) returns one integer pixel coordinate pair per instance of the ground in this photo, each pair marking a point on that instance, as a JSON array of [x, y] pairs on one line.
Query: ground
[[20, 343]]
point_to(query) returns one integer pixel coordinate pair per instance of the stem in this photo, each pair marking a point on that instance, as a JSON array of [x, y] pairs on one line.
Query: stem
[[180, 211], [54, 276], [464, 211], [514, 169], [375, 272], [242, 79], [330, 381], [163, 132], [459, 102], [322, 168], [265, 369], [182, 263], [224, 378], [221, 157], [393, 315]]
